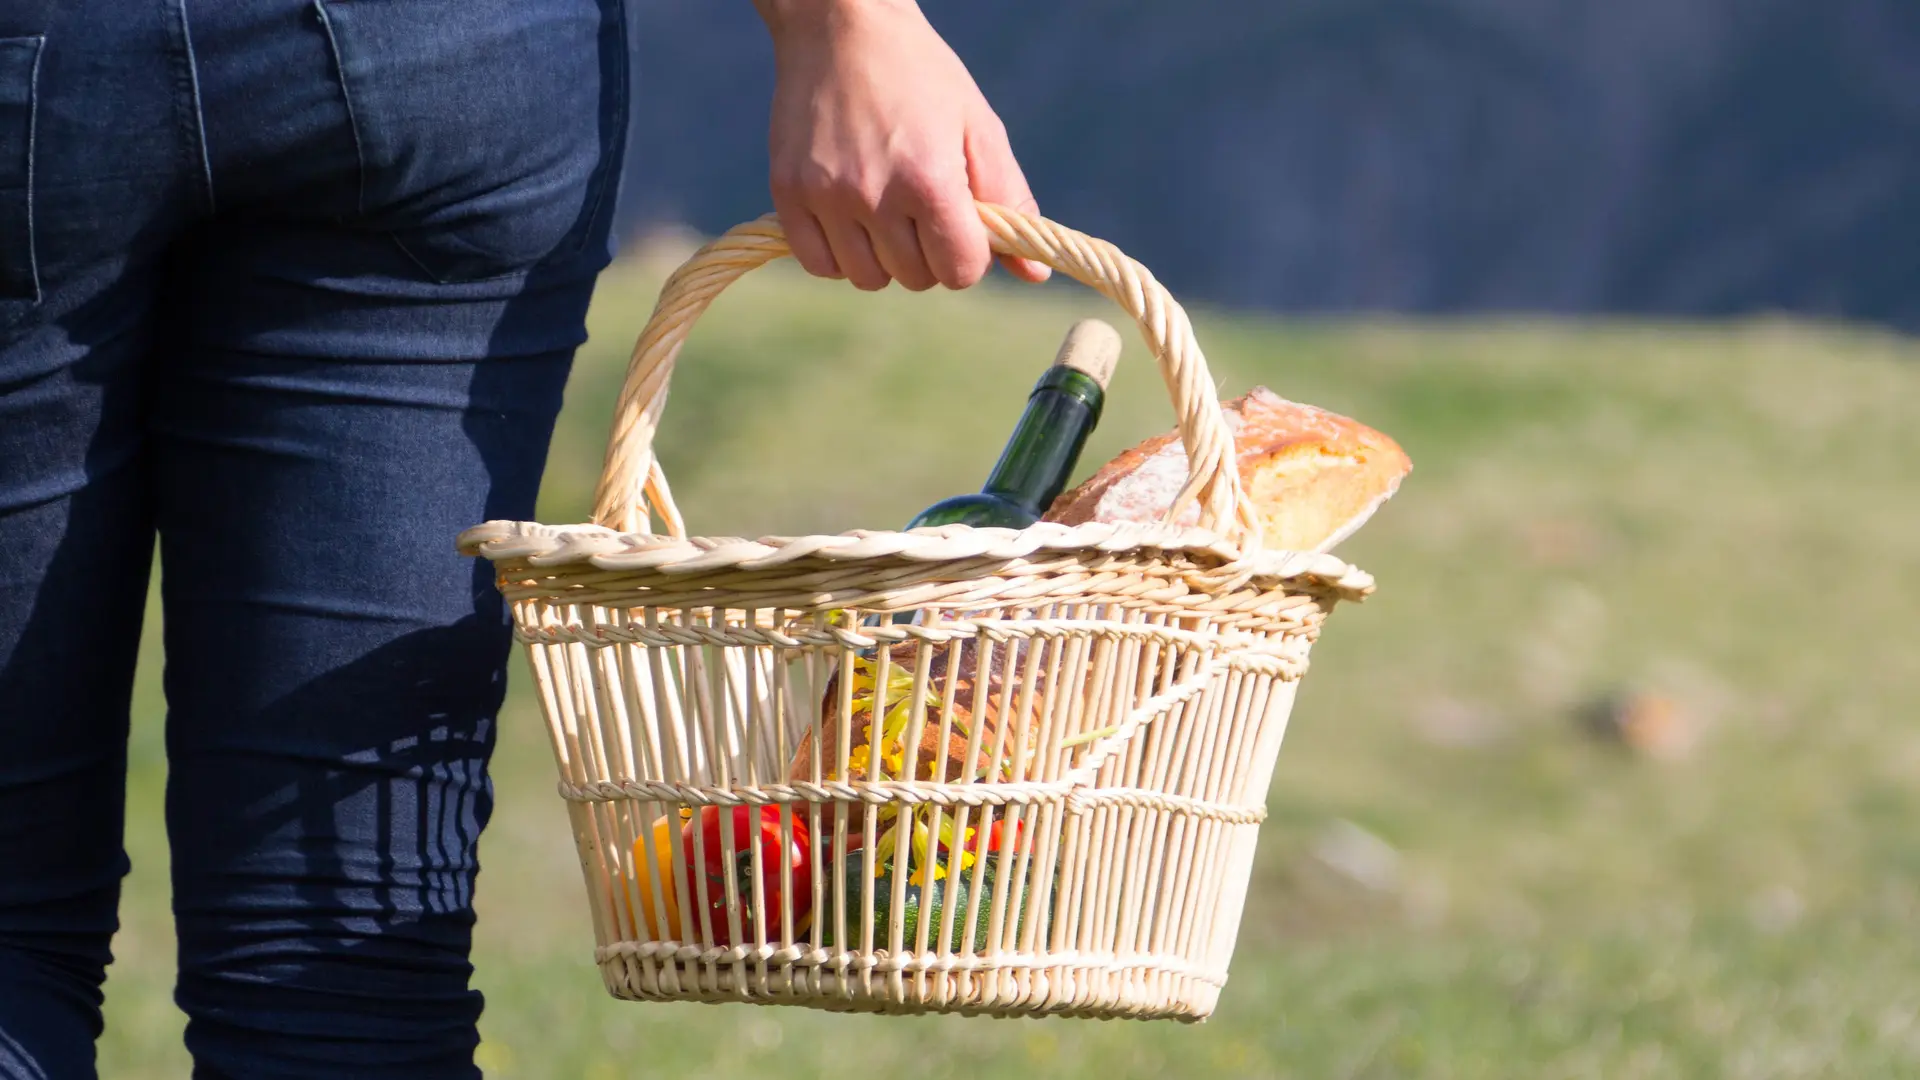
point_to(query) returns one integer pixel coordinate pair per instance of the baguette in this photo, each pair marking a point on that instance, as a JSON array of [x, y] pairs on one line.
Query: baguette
[[1314, 477]]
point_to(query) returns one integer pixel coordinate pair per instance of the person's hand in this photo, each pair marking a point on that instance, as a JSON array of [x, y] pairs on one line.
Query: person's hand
[[880, 144]]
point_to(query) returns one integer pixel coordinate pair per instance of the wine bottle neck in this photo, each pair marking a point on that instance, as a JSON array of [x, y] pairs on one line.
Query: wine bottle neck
[[1061, 412]]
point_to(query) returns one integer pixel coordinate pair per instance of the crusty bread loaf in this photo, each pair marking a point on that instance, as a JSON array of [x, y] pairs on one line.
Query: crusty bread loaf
[[1313, 476]]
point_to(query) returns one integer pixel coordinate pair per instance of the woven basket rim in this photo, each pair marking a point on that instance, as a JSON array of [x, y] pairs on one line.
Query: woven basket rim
[[552, 546]]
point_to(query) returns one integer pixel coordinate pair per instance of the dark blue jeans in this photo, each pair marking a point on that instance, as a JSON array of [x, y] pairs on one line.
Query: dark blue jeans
[[292, 285]]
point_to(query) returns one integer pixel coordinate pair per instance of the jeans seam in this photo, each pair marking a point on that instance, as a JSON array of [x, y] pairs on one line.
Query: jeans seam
[[346, 99], [33, 135], [13, 1057], [198, 130], [32, 295]]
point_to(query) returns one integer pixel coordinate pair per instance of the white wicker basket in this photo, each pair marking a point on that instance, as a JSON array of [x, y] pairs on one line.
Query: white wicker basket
[[1118, 693]]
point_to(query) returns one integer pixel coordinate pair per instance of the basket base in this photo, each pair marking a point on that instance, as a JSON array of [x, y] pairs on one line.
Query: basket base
[[1085, 990]]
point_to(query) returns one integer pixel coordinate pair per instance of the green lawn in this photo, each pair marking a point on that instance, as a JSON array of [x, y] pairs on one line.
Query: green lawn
[[1728, 516]]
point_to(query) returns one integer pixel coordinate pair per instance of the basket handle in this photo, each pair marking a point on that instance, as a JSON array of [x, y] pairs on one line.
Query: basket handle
[[631, 478]]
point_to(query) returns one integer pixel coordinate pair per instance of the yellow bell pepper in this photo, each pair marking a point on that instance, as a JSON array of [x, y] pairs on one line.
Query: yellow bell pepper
[[661, 925]]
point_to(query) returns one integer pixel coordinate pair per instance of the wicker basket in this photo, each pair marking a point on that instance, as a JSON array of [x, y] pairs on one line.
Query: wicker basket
[[1077, 727]]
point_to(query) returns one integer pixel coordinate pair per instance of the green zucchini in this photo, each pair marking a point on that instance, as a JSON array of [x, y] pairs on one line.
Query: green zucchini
[[928, 902]]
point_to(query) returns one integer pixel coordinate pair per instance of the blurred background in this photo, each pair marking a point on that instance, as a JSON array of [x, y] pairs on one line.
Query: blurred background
[[1705, 157], [1617, 774]]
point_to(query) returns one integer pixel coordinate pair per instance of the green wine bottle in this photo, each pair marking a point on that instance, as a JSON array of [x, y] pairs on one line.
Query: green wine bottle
[[1061, 412]]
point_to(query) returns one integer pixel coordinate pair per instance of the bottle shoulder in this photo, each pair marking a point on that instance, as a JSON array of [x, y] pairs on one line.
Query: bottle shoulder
[[979, 509]]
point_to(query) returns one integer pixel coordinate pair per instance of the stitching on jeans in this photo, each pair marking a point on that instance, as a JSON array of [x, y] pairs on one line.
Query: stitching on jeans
[[199, 111], [33, 132], [19, 297], [435, 275], [14, 1057], [346, 98]]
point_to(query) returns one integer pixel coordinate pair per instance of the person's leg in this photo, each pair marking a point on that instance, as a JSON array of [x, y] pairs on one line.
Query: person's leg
[[349, 397], [90, 190]]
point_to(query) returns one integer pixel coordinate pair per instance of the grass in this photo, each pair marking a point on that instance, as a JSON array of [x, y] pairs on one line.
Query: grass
[[1721, 515]]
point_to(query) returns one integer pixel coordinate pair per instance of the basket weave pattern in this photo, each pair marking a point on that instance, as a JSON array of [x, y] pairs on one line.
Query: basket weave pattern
[[1098, 707]]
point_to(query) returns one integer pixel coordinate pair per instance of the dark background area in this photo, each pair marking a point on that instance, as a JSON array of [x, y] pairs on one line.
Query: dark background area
[[1668, 157]]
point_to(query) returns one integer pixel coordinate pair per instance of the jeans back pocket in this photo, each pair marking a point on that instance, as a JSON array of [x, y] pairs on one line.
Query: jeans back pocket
[[19, 70], [487, 129]]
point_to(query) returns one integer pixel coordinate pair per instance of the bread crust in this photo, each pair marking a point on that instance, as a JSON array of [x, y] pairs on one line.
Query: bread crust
[[1314, 476]]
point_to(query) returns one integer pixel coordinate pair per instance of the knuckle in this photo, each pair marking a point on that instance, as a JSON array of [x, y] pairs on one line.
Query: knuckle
[[867, 192], [920, 188], [813, 182], [855, 193]]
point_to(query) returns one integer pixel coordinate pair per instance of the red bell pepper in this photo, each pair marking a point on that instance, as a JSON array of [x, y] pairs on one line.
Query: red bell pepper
[[754, 828], [993, 837]]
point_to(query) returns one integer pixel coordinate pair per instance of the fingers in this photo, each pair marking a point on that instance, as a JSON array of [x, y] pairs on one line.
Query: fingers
[[953, 240], [995, 177], [832, 233], [942, 243], [826, 240], [879, 144], [912, 222], [853, 250], [806, 238], [897, 243], [916, 232]]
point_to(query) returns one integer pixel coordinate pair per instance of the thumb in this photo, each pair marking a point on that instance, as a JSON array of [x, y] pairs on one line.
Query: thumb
[[995, 177]]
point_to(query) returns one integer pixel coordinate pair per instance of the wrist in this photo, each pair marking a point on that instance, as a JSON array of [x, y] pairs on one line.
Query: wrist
[[786, 17]]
